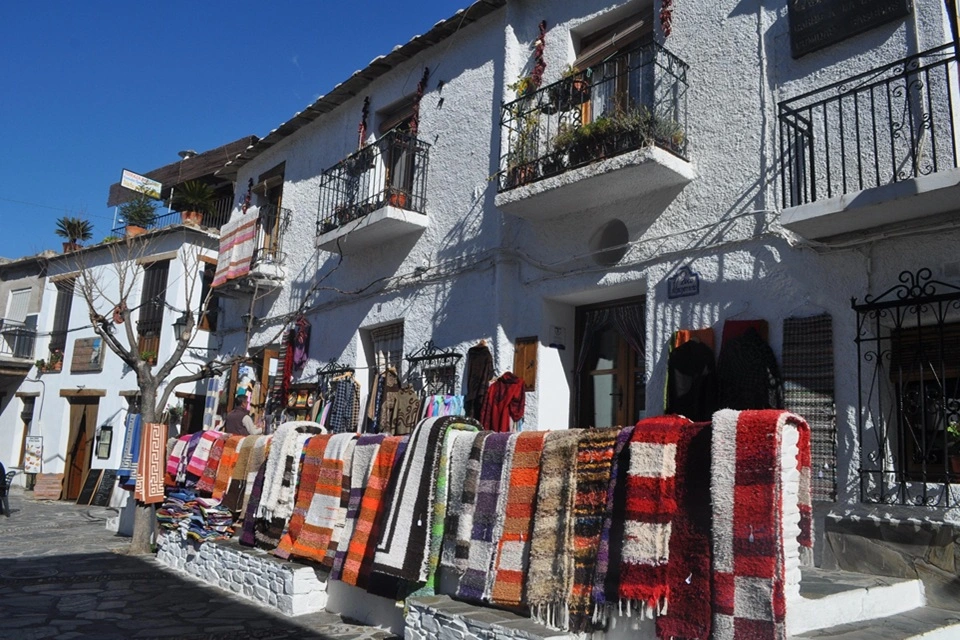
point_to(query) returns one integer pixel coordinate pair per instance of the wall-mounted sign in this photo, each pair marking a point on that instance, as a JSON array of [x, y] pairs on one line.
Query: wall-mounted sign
[[558, 337], [685, 282], [33, 455], [140, 184], [815, 24], [87, 355]]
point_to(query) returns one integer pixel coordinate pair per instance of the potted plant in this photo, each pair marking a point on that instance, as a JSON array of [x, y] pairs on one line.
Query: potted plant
[[41, 365], [150, 357], [175, 414], [74, 230], [193, 199], [398, 198], [56, 360], [953, 447], [139, 213]]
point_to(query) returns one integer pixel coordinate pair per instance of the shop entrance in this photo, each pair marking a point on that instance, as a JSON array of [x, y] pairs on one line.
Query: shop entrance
[[611, 364], [83, 424]]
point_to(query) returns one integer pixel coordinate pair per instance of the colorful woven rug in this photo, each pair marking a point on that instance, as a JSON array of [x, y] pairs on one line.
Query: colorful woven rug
[[201, 455], [650, 507], [324, 518], [209, 477], [550, 578], [404, 538], [313, 453], [233, 496], [756, 457], [151, 464], [474, 579], [362, 543], [501, 517], [468, 498], [595, 450], [513, 547], [364, 454], [606, 578], [248, 535], [688, 573], [257, 459], [228, 459], [457, 476]]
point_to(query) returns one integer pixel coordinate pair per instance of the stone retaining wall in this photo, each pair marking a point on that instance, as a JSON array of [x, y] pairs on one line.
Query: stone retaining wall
[[293, 589]]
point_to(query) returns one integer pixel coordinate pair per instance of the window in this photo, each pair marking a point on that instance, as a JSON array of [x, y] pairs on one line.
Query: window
[[61, 314], [152, 301], [387, 346], [270, 191], [399, 153], [611, 365], [209, 302], [17, 305], [618, 68]]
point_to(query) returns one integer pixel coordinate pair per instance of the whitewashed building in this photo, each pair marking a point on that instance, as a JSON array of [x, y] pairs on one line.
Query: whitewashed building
[[81, 402], [705, 162]]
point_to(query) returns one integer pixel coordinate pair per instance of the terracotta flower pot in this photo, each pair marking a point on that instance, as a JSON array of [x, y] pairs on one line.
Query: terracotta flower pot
[[134, 231], [192, 217], [398, 199], [955, 463], [70, 246]]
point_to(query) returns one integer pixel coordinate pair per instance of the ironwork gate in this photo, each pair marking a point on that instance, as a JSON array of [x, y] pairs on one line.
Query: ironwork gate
[[908, 375]]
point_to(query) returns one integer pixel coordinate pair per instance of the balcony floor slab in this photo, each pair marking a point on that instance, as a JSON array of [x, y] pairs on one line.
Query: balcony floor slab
[[606, 182], [905, 201], [375, 228]]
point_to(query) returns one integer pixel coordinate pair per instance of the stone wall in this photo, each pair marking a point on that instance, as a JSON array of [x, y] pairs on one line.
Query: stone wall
[[441, 618], [293, 589], [899, 542]]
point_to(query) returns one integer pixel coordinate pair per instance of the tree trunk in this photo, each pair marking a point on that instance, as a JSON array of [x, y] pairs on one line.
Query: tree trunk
[[145, 517]]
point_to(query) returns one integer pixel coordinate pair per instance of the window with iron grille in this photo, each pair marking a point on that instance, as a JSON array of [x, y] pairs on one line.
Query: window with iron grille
[[387, 346], [61, 314], [152, 299]]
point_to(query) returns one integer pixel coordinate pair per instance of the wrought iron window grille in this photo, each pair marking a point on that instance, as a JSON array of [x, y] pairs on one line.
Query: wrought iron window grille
[[908, 376], [433, 371]]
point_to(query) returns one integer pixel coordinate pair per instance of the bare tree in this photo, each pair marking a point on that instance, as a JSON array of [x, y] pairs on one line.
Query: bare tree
[[107, 289]]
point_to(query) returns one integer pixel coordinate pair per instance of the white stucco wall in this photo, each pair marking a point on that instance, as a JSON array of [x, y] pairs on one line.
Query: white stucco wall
[[52, 412], [478, 273]]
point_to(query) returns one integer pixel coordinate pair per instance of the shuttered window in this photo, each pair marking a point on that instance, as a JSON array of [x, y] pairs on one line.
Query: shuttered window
[[388, 346], [61, 314], [152, 298], [17, 305]]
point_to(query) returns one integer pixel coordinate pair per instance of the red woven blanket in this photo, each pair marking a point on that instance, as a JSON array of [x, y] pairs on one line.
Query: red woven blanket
[[753, 455], [228, 459], [309, 473], [209, 477]]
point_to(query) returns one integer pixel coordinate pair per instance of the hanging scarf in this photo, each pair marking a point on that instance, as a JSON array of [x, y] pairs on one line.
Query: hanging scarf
[[362, 543], [513, 546], [301, 343], [595, 451], [550, 578], [756, 459], [473, 581]]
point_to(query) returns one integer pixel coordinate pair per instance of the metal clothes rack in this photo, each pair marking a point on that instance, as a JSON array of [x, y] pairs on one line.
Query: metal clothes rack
[[435, 370]]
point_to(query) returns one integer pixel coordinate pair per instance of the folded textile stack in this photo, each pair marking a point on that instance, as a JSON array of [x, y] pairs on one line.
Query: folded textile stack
[[176, 510]]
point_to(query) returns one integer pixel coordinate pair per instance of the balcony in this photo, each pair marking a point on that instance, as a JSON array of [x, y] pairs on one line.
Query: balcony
[[16, 340], [251, 254], [874, 150], [608, 134], [221, 214], [374, 195]]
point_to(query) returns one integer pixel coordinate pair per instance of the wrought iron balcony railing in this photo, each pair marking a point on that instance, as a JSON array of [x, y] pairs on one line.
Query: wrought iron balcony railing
[[391, 171], [16, 339], [215, 220], [635, 99], [272, 223], [889, 124]]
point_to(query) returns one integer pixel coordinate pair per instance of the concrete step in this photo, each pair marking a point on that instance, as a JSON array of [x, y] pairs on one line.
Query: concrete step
[[924, 623], [832, 598]]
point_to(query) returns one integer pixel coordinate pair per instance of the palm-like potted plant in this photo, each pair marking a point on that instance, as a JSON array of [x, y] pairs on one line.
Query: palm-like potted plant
[[139, 213], [74, 230], [193, 199]]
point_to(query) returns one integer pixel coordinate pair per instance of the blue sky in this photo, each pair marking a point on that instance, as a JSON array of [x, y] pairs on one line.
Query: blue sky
[[90, 88]]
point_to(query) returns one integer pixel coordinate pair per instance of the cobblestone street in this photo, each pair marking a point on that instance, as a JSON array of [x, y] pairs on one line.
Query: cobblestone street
[[63, 575]]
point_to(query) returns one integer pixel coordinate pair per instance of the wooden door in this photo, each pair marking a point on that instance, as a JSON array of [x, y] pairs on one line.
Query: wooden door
[[83, 423]]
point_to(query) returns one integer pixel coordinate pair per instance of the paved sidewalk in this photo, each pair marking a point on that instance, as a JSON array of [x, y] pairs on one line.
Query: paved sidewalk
[[62, 575]]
